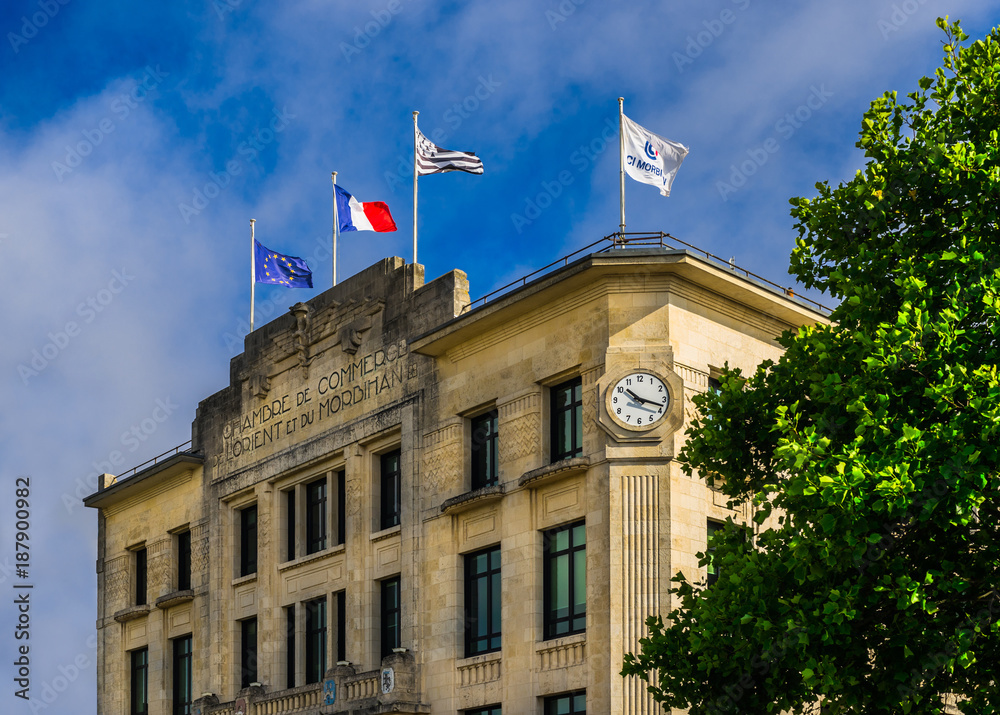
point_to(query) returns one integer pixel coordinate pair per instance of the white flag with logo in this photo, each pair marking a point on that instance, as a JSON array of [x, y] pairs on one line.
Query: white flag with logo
[[650, 158]]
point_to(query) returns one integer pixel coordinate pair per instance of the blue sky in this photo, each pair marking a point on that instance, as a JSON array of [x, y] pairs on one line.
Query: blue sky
[[122, 308]]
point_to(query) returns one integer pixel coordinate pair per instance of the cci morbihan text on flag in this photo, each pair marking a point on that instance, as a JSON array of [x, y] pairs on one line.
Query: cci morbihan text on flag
[[650, 158]]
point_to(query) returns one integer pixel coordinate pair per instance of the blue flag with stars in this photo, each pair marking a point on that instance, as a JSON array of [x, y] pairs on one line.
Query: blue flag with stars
[[283, 270]]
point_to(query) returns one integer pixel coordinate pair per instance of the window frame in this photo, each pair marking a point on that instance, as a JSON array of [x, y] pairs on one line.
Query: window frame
[[180, 659], [390, 616], [315, 640], [290, 646], [248, 533], [494, 709], [390, 491], [484, 472], [248, 656], [551, 703], [576, 621], [139, 675], [475, 579], [557, 450], [317, 528], [141, 591], [184, 560]]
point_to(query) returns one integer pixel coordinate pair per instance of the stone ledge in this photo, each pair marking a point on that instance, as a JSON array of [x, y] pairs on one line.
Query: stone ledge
[[131, 613], [470, 500], [329, 551], [387, 533], [554, 472], [175, 598]]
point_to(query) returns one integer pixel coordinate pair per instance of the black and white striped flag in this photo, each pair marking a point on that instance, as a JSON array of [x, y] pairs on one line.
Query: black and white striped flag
[[432, 159]]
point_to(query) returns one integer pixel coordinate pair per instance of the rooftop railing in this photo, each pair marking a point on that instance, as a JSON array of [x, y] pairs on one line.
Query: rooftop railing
[[658, 240]]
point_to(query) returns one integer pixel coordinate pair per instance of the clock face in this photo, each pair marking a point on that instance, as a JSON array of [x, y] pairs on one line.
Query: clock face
[[639, 400]]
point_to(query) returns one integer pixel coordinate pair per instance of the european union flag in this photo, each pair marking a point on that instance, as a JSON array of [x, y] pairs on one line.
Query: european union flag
[[279, 269]]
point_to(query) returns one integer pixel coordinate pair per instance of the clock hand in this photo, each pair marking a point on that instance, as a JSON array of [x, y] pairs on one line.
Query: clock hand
[[637, 398]]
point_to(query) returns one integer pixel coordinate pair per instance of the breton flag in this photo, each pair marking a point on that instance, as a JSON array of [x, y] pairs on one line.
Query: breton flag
[[649, 158], [357, 216], [277, 268], [432, 159]]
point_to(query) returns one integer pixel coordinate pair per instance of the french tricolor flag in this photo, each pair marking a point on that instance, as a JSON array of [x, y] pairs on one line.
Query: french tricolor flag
[[357, 216]]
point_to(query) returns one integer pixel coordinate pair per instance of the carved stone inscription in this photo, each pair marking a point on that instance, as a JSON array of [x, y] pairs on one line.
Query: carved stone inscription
[[352, 384]]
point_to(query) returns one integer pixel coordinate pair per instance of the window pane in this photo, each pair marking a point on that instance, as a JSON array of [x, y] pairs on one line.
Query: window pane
[[315, 640], [482, 601], [565, 580], [184, 561], [182, 676], [248, 652], [140, 577], [390, 483], [248, 540], [139, 687], [316, 516]]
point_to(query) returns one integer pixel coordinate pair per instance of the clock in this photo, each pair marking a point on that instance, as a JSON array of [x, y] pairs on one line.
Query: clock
[[638, 401]]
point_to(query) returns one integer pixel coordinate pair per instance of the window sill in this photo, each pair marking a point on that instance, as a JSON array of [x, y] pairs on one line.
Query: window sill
[[331, 551], [471, 500], [474, 660], [175, 598], [387, 533], [131, 613], [240, 580], [554, 472], [561, 642]]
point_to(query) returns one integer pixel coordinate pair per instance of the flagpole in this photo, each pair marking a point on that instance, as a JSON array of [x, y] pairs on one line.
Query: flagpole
[[415, 186], [253, 270], [621, 162], [336, 225]]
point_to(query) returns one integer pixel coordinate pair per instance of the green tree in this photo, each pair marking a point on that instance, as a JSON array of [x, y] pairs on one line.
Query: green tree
[[870, 450]]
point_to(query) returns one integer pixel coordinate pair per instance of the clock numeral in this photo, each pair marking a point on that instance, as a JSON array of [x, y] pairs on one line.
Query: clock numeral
[[628, 380], [621, 389], [664, 399], [618, 411], [660, 389], [638, 378], [615, 400], [628, 417], [638, 421]]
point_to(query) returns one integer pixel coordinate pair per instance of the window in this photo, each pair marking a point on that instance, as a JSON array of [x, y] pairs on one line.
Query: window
[[248, 652], [390, 625], [482, 602], [340, 599], [248, 540], [565, 580], [341, 507], [140, 577], [315, 640], [290, 524], [567, 420], [569, 704], [139, 687], [290, 646], [485, 471], [316, 516], [489, 710], [184, 561], [390, 489], [714, 385], [182, 675]]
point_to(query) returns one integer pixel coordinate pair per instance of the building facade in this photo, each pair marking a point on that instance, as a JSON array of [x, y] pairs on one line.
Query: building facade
[[403, 503]]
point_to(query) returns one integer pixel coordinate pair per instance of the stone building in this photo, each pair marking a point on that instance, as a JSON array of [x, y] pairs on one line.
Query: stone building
[[404, 503]]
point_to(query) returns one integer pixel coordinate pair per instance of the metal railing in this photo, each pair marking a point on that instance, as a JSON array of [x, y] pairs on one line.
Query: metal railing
[[622, 240], [150, 462]]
